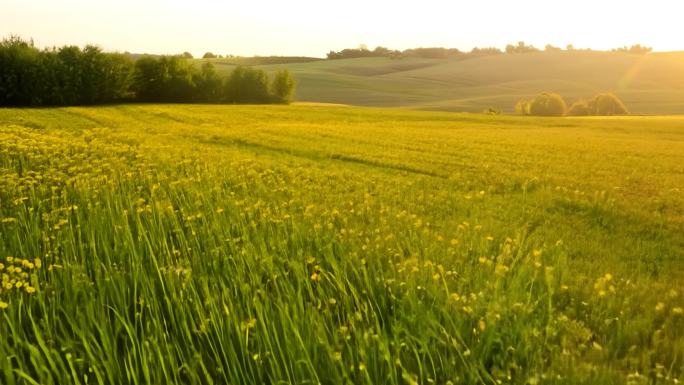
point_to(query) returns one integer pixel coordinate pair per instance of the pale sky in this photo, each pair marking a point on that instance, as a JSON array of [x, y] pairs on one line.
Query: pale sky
[[314, 27]]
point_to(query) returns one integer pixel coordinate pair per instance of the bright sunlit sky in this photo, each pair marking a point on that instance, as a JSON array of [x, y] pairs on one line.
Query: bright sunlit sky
[[314, 27]]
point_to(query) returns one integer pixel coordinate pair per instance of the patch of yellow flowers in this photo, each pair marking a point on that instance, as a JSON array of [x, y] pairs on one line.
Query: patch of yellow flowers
[[15, 274]]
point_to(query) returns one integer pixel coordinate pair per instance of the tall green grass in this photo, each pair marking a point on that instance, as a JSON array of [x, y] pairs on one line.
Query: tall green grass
[[241, 245]]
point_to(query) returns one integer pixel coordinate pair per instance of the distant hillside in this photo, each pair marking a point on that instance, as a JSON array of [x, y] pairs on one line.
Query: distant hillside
[[262, 60], [648, 84]]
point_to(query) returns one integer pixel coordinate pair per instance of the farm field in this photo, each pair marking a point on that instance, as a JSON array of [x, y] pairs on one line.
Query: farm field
[[315, 244], [650, 84]]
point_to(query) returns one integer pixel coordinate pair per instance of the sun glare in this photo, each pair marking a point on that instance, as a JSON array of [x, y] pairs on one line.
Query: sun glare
[[306, 27]]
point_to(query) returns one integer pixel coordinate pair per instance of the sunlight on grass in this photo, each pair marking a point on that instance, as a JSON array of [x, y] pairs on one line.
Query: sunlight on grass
[[336, 245]]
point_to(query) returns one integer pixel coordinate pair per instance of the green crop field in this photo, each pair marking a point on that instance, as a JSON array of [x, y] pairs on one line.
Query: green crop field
[[648, 84], [313, 244]]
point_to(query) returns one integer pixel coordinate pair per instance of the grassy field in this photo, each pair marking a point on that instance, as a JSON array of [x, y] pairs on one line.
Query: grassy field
[[307, 244], [651, 84]]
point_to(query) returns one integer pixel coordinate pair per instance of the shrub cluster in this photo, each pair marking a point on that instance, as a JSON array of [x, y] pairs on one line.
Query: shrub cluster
[[173, 79], [73, 76], [605, 104], [550, 104]]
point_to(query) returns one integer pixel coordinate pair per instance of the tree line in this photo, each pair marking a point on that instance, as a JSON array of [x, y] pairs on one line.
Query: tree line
[[70, 75], [551, 104], [444, 53]]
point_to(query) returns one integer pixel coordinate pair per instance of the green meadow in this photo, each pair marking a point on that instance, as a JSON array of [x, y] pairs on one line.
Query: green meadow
[[318, 244], [648, 84]]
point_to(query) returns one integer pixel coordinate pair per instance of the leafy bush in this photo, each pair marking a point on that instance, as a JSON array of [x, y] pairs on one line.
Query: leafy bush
[[522, 107], [607, 104], [579, 108], [547, 104]]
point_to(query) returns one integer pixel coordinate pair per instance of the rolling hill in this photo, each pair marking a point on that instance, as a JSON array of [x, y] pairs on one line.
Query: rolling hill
[[648, 84]]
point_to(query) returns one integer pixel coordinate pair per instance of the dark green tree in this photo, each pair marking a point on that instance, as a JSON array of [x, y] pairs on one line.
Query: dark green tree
[[283, 87], [247, 85], [147, 79], [208, 84], [19, 64], [164, 79]]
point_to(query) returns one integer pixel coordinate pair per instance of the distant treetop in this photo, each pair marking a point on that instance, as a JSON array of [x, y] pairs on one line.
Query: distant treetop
[[521, 47], [444, 53], [637, 49]]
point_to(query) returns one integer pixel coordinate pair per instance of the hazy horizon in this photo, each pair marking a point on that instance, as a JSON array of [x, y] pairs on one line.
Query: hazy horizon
[[309, 28]]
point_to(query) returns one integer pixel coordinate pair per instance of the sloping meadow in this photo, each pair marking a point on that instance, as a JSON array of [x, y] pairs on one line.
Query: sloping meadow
[[334, 245]]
